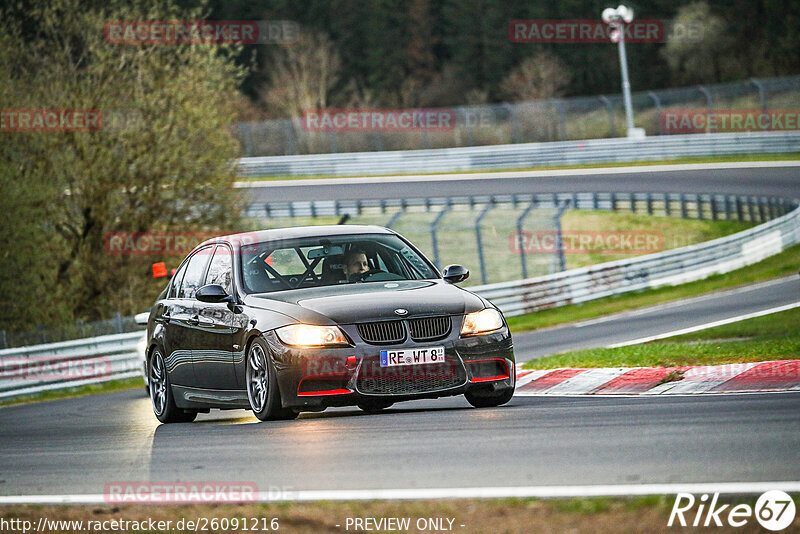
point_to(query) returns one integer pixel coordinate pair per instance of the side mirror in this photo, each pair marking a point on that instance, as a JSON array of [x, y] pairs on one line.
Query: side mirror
[[455, 273], [212, 293], [141, 318]]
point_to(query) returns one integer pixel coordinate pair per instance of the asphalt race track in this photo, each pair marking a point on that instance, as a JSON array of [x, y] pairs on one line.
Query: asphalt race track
[[77, 446], [660, 319], [759, 179]]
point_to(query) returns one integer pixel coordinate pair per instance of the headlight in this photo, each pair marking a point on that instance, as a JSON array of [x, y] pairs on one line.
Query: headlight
[[482, 322], [306, 335]]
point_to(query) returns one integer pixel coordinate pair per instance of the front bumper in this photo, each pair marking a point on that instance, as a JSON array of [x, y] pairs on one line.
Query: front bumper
[[314, 379]]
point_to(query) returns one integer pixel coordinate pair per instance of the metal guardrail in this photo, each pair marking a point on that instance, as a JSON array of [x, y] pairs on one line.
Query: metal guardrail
[[671, 267], [522, 155], [38, 368], [33, 369], [65, 332]]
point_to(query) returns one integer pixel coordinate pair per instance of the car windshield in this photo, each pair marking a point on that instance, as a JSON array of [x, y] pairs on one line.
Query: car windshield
[[279, 265]]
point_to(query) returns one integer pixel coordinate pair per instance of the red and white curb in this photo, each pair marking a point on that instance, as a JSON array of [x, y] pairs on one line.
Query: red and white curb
[[781, 375]]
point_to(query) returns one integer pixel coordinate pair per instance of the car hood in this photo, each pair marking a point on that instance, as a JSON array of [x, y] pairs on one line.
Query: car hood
[[371, 301]]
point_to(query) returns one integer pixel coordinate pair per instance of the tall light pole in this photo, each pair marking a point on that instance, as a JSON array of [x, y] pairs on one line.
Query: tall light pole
[[616, 18]]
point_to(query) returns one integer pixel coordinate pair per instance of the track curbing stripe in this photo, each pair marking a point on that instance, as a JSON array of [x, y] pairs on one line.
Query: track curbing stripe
[[771, 376]]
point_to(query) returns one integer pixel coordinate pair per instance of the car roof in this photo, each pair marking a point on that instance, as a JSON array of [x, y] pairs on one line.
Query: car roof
[[294, 232]]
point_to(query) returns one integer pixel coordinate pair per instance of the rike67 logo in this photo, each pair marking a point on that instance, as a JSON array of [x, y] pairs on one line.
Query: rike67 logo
[[774, 510]]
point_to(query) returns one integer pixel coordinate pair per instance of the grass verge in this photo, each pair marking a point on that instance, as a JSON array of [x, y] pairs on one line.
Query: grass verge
[[791, 156], [783, 264], [771, 337], [80, 391], [597, 515]]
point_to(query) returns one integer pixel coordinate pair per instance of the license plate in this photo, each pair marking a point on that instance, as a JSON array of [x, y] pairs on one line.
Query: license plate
[[392, 358]]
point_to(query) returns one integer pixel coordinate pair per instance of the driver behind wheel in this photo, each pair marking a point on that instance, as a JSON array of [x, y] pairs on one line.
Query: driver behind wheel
[[355, 264]]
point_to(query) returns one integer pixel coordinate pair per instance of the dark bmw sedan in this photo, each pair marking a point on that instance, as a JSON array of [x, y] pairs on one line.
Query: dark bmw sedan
[[300, 319]]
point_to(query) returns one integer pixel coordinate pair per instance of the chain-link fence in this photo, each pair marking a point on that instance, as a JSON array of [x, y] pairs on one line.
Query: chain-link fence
[[525, 122], [510, 237]]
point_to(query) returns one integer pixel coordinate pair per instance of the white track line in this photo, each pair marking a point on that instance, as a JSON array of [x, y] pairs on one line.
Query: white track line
[[705, 326], [571, 173], [463, 493]]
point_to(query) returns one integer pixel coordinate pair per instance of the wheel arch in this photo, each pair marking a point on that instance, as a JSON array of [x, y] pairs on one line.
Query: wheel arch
[[251, 337]]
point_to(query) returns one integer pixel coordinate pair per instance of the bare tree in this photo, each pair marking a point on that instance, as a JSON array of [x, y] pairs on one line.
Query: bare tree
[[542, 75], [697, 46], [302, 73]]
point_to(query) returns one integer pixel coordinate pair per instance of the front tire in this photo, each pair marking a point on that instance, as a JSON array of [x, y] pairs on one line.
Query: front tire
[[489, 401], [374, 406], [262, 385], [161, 393]]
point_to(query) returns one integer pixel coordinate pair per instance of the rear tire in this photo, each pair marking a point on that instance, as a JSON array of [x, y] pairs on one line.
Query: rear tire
[[489, 401], [161, 393], [262, 385]]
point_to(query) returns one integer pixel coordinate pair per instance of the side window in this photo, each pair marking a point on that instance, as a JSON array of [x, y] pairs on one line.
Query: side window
[[175, 283], [195, 270], [220, 271]]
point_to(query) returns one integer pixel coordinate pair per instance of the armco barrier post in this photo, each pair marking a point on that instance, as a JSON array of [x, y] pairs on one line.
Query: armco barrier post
[[479, 243], [762, 94], [612, 128], [434, 230], [707, 94], [559, 261], [288, 131], [562, 120], [520, 223], [393, 219], [657, 102]]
